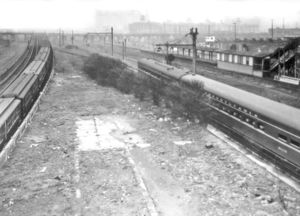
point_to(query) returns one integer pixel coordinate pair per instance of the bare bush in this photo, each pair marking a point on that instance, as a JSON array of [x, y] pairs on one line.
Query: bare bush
[[103, 69], [125, 82], [183, 100]]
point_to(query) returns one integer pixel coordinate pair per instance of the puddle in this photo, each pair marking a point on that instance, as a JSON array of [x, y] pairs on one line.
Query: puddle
[[100, 133]]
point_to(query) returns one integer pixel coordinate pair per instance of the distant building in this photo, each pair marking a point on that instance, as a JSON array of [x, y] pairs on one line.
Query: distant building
[[210, 39], [183, 28], [285, 32], [120, 20]]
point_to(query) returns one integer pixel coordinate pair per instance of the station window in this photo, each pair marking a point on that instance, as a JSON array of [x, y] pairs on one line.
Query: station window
[[240, 60], [235, 58], [282, 137], [293, 142], [247, 61], [250, 61], [223, 57], [244, 60], [230, 58], [227, 57]]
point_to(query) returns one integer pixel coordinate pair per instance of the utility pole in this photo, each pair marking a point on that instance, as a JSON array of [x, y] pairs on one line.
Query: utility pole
[[123, 49], [194, 34], [234, 31], [283, 27], [59, 38], [125, 46], [63, 38], [112, 40], [272, 30], [167, 53], [208, 30], [72, 38]]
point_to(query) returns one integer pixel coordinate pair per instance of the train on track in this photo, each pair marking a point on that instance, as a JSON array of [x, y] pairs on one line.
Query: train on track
[[19, 96], [269, 128]]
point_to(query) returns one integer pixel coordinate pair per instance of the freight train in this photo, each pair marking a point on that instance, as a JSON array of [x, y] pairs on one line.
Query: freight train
[[18, 98], [270, 128]]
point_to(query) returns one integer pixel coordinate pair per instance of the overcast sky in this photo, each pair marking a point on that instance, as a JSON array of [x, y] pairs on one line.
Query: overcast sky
[[79, 14]]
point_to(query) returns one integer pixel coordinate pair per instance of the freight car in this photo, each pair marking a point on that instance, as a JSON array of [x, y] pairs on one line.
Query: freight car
[[10, 112], [270, 128], [17, 99]]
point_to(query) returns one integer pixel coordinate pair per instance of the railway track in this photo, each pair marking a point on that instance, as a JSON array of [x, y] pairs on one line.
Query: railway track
[[23, 86], [19, 65]]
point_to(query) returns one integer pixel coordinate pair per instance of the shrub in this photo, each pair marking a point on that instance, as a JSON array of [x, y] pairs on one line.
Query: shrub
[[125, 82], [103, 69], [183, 100]]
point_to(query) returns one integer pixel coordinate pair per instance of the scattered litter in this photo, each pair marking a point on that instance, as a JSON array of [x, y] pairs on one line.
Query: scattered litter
[[76, 76], [181, 143], [197, 121], [33, 145], [152, 130], [209, 145], [37, 139], [57, 178], [266, 199], [291, 199], [43, 169], [187, 190]]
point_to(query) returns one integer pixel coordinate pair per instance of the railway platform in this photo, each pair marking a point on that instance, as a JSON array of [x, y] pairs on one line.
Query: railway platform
[[91, 150]]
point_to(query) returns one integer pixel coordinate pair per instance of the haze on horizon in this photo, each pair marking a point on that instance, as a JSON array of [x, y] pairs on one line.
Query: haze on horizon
[[80, 14]]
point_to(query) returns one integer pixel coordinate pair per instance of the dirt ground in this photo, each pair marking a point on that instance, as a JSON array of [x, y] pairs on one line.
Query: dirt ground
[[91, 150]]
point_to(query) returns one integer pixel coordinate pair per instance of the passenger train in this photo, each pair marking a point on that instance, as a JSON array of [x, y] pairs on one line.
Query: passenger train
[[18, 98], [270, 128]]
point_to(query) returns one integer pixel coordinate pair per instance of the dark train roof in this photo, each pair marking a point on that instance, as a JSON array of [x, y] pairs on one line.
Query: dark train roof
[[279, 112], [169, 70]]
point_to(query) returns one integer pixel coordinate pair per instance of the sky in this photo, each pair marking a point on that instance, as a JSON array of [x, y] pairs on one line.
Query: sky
[[80, 14]]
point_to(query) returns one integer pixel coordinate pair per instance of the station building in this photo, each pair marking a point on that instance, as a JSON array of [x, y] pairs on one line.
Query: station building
[[278, 60]]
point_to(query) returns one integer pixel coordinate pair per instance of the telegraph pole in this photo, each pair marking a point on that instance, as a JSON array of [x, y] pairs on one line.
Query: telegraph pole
[[59, 38], [194, 34], [112, 40], [123, 49], [63, 38], [272, 30], [125, 45], [72, 38], [234, 31], [208, 30]]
